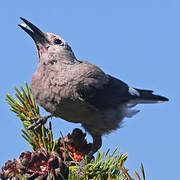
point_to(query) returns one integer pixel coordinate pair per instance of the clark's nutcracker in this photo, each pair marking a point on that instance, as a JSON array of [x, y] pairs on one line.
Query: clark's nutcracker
[[80, 92]]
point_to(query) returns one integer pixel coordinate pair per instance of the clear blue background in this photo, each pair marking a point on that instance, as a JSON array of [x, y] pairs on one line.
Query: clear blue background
[[137, 41]]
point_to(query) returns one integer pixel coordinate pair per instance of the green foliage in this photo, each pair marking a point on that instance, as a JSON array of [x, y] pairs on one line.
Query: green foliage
[[104, 166], [24, 105], [26, 108]]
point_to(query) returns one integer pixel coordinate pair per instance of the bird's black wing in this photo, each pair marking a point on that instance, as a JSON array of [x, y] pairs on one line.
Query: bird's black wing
[[109, 95], [115, 92]]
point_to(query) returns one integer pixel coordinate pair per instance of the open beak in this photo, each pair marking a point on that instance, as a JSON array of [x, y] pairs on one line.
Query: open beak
[[37, 35]]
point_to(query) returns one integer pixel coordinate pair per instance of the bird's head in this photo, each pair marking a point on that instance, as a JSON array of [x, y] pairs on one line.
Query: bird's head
[[51, 48]]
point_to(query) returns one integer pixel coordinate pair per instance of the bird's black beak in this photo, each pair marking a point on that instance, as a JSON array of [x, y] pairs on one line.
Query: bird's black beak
[[37, 35]]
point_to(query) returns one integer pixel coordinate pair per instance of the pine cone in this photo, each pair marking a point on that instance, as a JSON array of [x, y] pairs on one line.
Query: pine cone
[[76, 145], [43, 165], [39, 164]]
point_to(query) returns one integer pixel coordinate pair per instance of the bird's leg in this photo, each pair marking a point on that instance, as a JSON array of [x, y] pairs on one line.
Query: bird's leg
[[38, 122], [97, 143]]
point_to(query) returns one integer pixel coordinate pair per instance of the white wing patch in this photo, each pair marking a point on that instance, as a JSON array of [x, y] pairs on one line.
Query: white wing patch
[[133, 92]]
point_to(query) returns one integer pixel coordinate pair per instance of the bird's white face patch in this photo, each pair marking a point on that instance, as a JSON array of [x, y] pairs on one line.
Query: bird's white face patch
[[133, 92]]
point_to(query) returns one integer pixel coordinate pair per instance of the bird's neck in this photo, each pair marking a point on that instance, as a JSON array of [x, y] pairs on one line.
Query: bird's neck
[[62, 58]]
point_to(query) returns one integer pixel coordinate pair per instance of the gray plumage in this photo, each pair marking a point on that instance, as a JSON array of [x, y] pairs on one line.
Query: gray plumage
[[80, 92]]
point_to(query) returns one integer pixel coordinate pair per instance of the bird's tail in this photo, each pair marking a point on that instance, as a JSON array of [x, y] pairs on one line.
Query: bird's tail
[[147, 97]]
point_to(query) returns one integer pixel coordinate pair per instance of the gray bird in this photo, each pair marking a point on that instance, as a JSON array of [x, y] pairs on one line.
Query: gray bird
[[80, 92]]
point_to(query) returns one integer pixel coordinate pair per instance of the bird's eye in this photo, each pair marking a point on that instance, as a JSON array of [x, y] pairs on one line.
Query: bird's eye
[[53, 62], [58, 41]]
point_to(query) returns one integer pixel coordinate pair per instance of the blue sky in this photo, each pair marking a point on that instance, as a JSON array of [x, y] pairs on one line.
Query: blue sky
[[136, 41]]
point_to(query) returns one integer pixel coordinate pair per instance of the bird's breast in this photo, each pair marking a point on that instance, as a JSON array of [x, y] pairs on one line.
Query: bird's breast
[[55, 90]]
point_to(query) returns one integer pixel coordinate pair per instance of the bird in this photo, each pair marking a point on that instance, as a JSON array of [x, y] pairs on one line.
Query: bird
[[80, 92]]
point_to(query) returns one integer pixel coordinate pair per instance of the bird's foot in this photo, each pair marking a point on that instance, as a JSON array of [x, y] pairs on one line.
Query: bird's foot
[[38, 122]]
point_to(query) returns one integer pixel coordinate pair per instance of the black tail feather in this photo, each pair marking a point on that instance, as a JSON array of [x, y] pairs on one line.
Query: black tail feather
[[148, 95]]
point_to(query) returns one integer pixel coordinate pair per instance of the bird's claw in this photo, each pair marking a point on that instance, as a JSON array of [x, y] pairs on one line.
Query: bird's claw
[[38, 122]]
